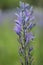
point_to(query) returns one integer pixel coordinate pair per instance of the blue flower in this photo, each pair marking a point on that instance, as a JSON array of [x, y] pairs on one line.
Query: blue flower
[[23, 5], [31, 25], [23, 26], [29, 37], [17, 29]]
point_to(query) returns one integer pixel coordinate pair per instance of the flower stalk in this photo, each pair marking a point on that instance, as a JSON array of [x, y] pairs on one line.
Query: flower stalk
[[23, 29]]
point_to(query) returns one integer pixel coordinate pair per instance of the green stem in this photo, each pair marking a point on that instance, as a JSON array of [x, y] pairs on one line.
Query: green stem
[[24, 44], [24, 38]]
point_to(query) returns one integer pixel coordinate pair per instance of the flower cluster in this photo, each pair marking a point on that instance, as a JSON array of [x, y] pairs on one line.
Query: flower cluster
[[23, 28]]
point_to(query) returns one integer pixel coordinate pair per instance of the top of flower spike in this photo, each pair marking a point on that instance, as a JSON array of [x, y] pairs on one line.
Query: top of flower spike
[[24, 13], [24, 5]]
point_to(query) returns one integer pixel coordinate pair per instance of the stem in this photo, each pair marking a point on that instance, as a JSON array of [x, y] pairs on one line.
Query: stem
[[24, 36], [24, 43], [25, 58]]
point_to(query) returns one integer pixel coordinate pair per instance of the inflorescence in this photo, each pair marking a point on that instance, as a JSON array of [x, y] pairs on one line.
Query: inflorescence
[[23, 26]]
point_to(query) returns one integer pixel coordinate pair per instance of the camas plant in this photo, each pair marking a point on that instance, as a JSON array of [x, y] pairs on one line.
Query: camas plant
[[23, 27]]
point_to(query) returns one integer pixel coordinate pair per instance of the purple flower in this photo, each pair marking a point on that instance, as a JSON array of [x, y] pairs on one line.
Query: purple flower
[[23, 5], [17, 14], [19, 18], [26, 19], [17, 22], [27, 12], [31, 25], [29, 37], [17, 29], [23, 30]]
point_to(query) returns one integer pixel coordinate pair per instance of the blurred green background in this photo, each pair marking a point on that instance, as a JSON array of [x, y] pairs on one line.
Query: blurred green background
[[4, 4], [9, 45]]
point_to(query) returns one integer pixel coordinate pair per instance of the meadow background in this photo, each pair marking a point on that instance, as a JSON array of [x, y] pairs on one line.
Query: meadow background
[[9, 45]]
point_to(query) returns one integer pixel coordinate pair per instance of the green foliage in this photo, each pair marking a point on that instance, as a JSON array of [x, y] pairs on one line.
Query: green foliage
[[8, 46], [6, 4]]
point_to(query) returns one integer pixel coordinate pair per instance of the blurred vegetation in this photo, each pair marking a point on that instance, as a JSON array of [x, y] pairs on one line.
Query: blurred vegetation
[[41, 46], [6, 4], [8, 46]]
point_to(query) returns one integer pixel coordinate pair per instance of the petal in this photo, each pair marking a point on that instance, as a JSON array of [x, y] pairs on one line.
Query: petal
[[18, 22], [31, 9], [29, 37], [31, 25], [22, 4], [17, 14], [26, 19], [27, 12], [17, 29]]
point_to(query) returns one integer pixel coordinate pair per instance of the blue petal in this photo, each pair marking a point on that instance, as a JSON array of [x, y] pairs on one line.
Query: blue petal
[[22, 4], [31, 25]]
